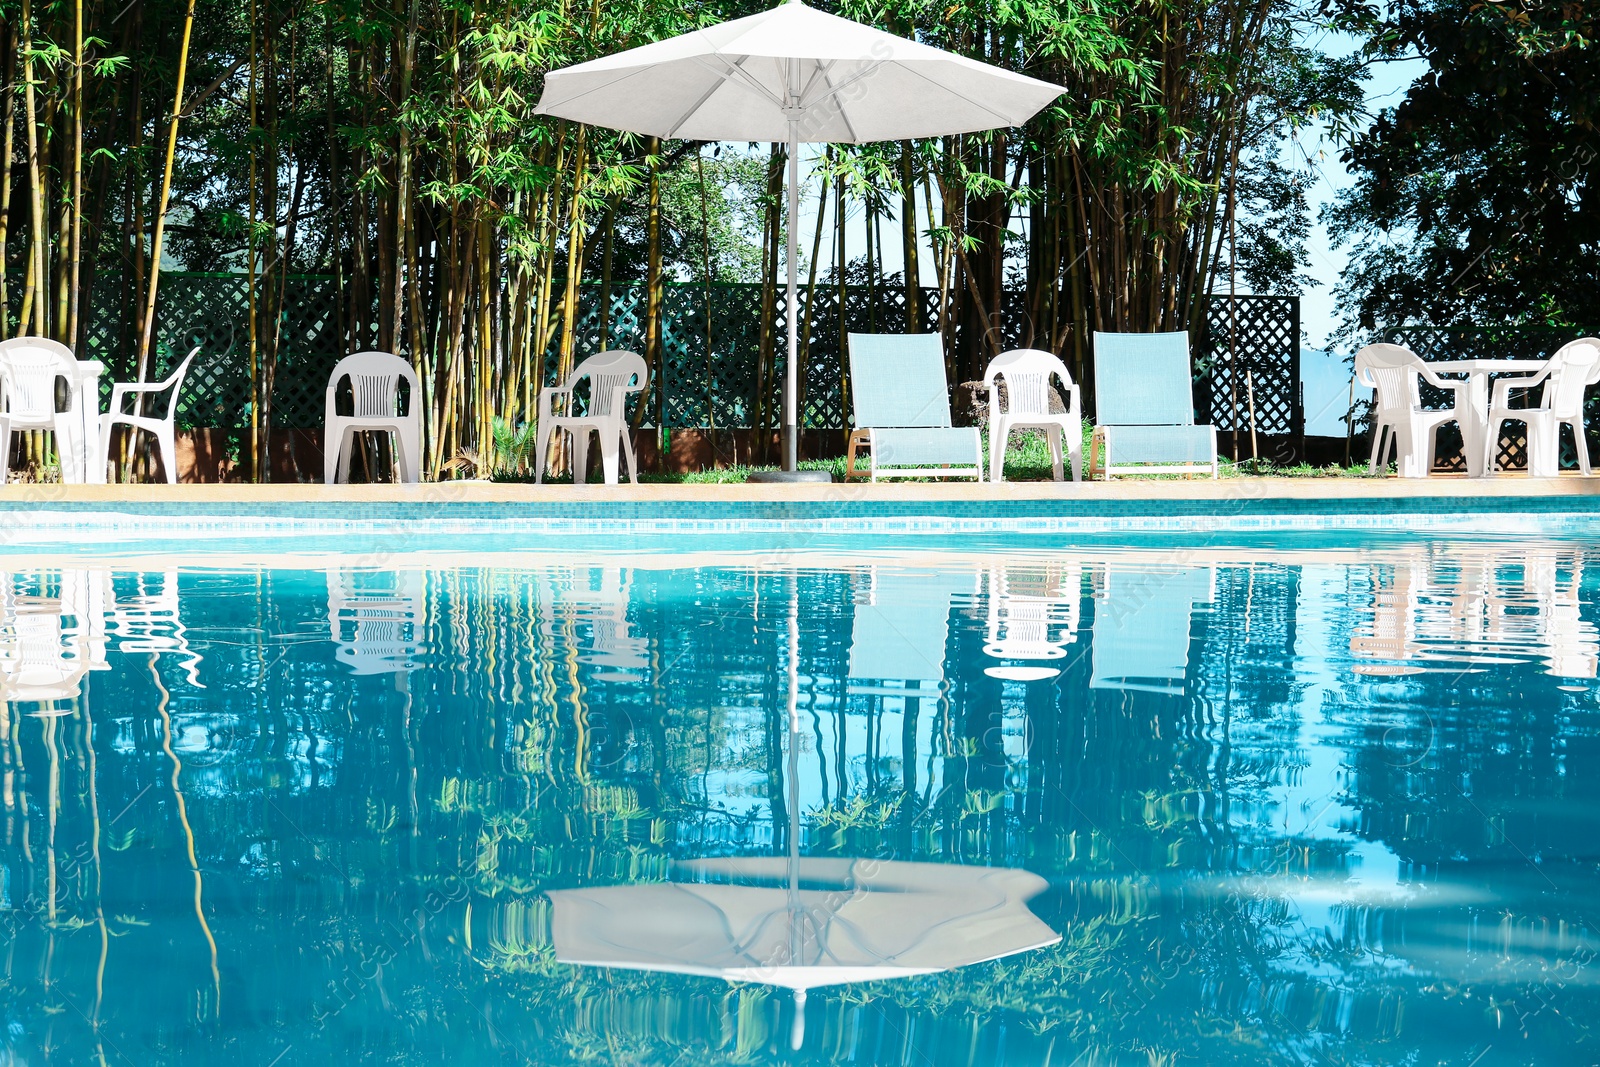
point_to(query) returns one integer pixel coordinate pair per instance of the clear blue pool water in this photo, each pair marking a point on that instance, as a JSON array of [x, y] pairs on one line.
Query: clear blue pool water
[[1306, 802]]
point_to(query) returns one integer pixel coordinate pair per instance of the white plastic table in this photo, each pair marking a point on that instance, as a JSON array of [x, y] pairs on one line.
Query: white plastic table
[[1473, 411], [82, 460]]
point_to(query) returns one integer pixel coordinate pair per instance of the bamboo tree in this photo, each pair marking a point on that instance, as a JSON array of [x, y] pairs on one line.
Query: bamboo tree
[[166, 195]]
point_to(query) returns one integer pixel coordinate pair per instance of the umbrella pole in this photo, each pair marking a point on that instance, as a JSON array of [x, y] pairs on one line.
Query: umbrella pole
[[791, 422]]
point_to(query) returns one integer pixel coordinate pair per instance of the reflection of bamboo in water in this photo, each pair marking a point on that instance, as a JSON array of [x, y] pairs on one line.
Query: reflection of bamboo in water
[[17, 779], [580, 715], [52, 811], [94, 855], [8, 795], [188, 831]]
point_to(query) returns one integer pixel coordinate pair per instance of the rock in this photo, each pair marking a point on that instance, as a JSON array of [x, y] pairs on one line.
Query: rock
[[970, 405]]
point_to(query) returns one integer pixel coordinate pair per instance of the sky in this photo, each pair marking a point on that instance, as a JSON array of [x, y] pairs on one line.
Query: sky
[[1313, 148]]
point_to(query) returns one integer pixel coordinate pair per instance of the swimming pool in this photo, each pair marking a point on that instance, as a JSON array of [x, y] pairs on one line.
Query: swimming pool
[[1329, 800]]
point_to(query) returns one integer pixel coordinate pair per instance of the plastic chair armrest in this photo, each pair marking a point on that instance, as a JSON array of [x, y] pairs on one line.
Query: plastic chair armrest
[[547, 399], [1074, 400], [1501, 396], [122, 390]]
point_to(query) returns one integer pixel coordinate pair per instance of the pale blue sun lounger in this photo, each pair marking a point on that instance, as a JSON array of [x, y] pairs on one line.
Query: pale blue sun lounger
[[1144, 408], [901, 402]]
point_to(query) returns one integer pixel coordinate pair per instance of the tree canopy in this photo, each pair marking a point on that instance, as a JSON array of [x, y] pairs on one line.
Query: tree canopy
[[1476, 199]]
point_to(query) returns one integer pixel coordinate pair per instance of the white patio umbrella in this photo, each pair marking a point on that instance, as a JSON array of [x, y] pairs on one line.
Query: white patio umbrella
[[792, 74]]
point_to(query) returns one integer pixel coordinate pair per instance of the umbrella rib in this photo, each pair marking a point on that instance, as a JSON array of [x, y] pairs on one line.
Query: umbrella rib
[[736, 73], [688, 113], [1007, 119], [540, 109], [835, 90]]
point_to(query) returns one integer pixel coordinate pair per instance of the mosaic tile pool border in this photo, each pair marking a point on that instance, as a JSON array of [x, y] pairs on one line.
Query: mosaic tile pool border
[[32, 523]]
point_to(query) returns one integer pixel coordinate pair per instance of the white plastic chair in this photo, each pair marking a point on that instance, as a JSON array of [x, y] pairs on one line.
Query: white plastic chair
[[375, 390], [612, 376], [1393, 373], [1027, 373], [162, 427], [1565, 377], [29, 370]]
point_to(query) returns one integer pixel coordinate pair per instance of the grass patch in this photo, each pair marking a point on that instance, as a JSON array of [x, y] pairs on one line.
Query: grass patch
[[1027, 460]]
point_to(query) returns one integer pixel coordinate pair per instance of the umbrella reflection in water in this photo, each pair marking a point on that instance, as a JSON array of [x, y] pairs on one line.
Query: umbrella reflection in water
[[802, 923]]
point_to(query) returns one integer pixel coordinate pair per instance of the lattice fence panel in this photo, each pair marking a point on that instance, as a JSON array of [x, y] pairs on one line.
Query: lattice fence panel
[[1532, 343], [702, 381], [1250, 354], [695, 389]]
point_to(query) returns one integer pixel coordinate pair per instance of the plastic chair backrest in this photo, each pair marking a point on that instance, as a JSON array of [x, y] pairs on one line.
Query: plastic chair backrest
[[898, 380], [607, 372], [1391, 371], [375, 385], [1143, 379], [1578, 364], [1594, 373], [30, 367], [1027, 373]]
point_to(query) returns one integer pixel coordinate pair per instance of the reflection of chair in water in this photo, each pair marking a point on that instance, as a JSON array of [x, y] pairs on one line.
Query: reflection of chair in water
[[598, 597], [38, 662], [1141, 627], [151, 619], [1481, 606], [899, 632], [377, 618], [1033, 610], [51, 633]]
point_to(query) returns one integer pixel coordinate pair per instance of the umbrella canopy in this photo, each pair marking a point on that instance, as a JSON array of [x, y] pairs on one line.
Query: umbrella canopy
[[745, 80], [792, 74]]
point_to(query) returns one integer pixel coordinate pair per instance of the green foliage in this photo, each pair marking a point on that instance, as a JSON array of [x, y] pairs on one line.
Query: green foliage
[[1476, 196]]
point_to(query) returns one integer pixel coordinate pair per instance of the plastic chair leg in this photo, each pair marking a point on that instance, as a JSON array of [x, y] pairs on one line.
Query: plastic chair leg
[[69, 446], [541, 444], [1405, 448], [407, 454], [627, 446], [1053, 435], [1491, 445], [169, 453], [1580, 445], [999, 438], [609, 446], [1378, 445], [347, 448], [332, 442], [580, 456]]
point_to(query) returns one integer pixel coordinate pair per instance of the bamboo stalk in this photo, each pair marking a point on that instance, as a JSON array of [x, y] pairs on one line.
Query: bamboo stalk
[[33, 305], [75, 284], [166, 196]]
